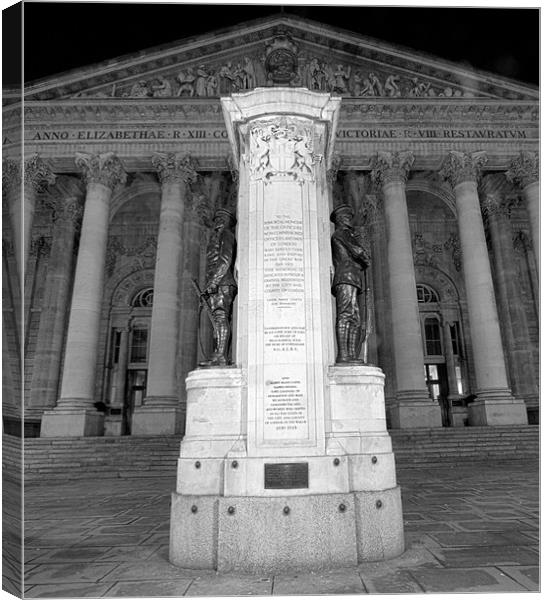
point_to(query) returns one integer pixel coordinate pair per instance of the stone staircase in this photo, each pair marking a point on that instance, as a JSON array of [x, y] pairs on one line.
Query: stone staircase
[[132, 456]]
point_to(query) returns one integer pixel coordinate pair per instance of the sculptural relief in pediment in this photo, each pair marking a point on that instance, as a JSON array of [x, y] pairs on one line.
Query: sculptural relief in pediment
[[281, 61]]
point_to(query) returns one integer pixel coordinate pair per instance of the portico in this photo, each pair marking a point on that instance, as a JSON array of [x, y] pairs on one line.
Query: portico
[[120, 207]]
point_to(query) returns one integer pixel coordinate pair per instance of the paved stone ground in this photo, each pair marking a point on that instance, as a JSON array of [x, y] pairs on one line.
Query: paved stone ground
[[468, 529]]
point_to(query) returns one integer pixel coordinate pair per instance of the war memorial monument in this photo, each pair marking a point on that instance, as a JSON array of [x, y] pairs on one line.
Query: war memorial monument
[[278, 242]]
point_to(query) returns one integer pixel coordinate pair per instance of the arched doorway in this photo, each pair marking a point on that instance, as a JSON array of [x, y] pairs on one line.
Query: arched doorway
[[443, 351], [127, 351]]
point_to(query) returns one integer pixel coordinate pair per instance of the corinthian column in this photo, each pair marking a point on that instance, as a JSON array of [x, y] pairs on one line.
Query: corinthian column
[[413, 406], [75, 414], [161, 412], [37, 176], [66, 200], [495, 404], [524, 172], [497, 208]]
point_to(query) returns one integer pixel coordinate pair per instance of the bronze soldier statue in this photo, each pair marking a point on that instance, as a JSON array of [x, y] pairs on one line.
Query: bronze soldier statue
[[350, 259], [221, 288]]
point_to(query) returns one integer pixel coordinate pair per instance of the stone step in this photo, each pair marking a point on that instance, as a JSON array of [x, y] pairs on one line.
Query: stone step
[[83, 458]]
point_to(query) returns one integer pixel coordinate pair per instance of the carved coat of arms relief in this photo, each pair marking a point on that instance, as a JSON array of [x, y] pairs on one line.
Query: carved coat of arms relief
[[281, 148]]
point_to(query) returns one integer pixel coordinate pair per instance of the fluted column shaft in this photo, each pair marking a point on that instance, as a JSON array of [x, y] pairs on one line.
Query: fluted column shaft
[[160, 413], [101, 173], [67, 204], [524, 171], [391, 172], [462, 170], [511, 307]]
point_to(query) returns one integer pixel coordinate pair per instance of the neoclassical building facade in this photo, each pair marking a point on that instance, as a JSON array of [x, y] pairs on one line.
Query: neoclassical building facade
[[109, 198]]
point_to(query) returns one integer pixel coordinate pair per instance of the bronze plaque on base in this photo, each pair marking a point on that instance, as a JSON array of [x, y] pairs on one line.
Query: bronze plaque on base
[[286, 476]]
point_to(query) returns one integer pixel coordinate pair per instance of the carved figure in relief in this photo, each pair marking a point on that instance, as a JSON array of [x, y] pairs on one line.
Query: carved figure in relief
[[211, 84], [329, 81], [358, 83], [350, 260], [303, 156], [249, 74], [162, 89], [391, 86], [220, 288], [200, 81], [418, 89], [372, 87], [139, 89], [341, 76], [314, 75], [260, 153], [186, 80], [225, 76]]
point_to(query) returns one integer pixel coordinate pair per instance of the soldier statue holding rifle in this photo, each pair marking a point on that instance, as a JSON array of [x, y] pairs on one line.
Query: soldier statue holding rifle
[[350, 260], [220, 288]]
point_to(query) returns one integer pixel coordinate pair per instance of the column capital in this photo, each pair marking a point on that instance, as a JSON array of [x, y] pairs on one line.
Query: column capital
[[172, 167], [391, 167], [38, 174], [524, 169], [65, 199], [11, 182], [459, 167], [495, 198], [105, 169]]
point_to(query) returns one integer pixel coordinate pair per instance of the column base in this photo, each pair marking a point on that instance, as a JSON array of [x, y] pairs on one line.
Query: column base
[[497, 407], [412, 409], [285, 533], [157, 420], [61, 422]]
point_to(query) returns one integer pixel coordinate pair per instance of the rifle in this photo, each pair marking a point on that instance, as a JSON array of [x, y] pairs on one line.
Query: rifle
[[203, 304], [366, 331]]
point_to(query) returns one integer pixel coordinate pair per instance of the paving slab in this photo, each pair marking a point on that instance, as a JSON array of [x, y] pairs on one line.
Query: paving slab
[[231, 585], [468, 528], [529, 577], [149, 589], [342, 581], [465, 580], [66, 590]]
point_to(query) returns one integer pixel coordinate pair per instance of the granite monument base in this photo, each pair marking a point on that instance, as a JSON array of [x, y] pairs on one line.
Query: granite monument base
[[285, 533], [238, 512], [72, 423]]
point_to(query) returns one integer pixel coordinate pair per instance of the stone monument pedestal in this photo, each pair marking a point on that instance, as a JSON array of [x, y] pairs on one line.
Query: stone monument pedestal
[[286, 463], [345, 507]]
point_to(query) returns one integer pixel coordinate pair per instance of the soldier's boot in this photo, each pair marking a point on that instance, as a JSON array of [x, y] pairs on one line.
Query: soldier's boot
[[353, 343], [219, 356], [342, 338]]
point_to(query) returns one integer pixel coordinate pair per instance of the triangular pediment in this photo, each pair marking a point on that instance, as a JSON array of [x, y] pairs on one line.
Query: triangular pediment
[[283, 50]]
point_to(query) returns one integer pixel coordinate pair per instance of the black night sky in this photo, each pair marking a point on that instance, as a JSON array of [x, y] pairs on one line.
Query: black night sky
[[66, 35]]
